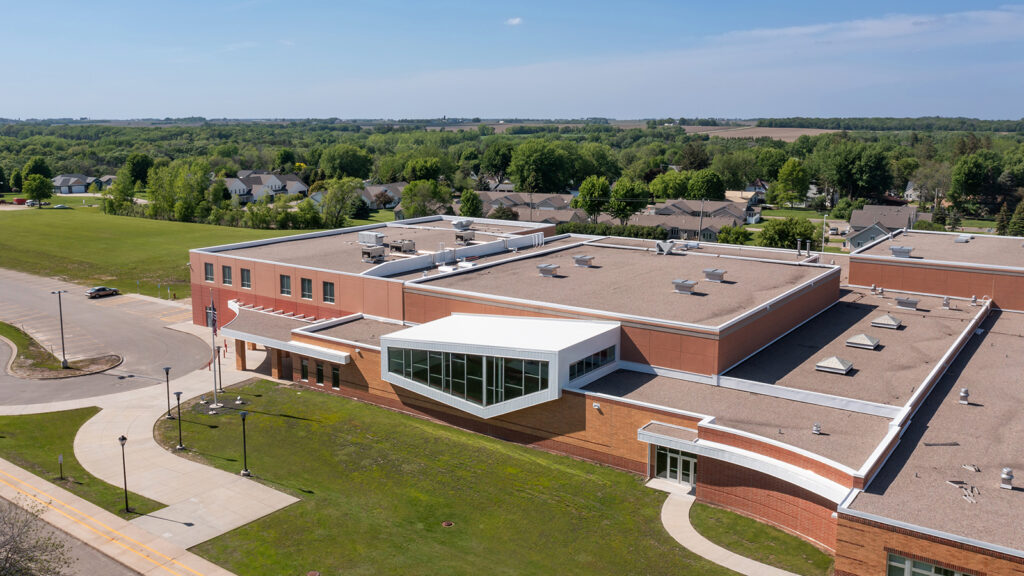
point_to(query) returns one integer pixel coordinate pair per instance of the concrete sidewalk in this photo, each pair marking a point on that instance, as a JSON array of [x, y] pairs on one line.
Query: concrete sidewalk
[[675, 515]]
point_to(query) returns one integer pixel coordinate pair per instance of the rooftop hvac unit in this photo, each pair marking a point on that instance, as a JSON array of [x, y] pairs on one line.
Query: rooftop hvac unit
[[464, 237], [664, 247], [548, 270], [835, 365], [403, 245], [907, 303], [684, 286], [371, 238], [901, 251], [373, 254], [462, 224], [582, 260], [714, 275]]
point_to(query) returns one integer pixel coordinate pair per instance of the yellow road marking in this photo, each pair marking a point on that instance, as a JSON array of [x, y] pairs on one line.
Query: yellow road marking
[[98, 532]]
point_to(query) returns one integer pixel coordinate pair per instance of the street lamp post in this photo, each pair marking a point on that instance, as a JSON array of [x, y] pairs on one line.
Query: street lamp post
[[60, 313], [245, 462], [124, 440], [181, 445], [167, 381], [220, 371]]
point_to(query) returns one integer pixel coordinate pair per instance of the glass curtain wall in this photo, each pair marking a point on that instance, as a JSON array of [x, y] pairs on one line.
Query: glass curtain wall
[[482, 380]]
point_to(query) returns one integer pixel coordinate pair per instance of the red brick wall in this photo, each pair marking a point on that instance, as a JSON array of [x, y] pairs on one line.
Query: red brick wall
[[1005, 288], [778, 453], [862, 547], [769, 500]]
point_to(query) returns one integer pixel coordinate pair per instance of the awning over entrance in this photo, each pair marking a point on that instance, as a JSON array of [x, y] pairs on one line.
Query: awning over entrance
[[274, 331]]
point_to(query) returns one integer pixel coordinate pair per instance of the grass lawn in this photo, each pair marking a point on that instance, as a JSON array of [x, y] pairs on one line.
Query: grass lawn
[[29, 349], [376, 485], [978, 223], [33, 442], [376, 217], [790, 213], [759, 541]]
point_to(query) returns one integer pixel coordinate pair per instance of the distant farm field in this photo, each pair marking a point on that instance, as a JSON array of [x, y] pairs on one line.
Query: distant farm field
[[784, 134]]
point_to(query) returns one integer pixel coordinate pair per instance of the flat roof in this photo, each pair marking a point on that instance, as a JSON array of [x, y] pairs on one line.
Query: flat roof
[[914, 485], [547, 334], [851, 436], [712, 248], [612, 283], [273, 326], [888, 374], [362, 330], [983, 249], [503, 255], [343, 252]]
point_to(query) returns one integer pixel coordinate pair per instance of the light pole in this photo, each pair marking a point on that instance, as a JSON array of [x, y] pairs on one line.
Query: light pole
[[220, 371], [181, 445], [124, 440], [60, 313], [245, 462], [167, 381]]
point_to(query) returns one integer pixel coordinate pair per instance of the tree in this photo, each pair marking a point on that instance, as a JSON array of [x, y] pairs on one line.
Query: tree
[[307, 216], [785, 233], [844, 208], [975, 181], [939, 215], [119, 197], [706, 185], [871, 172], [769, 162], [693, 156], [138, 165], [346, 160], [337, 197], [382, 199], [503, 213], [737, 169], [16, 181], [671, 185], [596, 159], [497, 158], [954, 220], [1003, 221], [471, 207], [285, 159], [540, 166], [793, 181], [931, 180], [1016, 227], [36, 165], [628, 197], [27, 546], [423, 169], [734, 235], [5, 186], [37, 187], [358, 209], [593, 197], [424, 198]]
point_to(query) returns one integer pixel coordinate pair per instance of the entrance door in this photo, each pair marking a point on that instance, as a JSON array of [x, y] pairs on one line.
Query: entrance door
[[675, 465]]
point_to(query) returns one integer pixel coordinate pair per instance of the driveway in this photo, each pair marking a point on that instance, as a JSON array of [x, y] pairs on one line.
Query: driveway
[[132, 326]]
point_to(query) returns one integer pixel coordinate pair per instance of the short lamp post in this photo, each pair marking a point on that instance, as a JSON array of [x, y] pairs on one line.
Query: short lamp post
[[181, 445], [60, 314], [220, 372], [167, 381], [124, 468], [245, 461]]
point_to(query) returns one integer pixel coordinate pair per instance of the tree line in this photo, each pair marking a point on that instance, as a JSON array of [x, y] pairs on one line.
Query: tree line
[[924, 123]]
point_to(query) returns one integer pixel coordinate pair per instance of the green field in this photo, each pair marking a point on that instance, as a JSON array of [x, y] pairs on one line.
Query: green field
[[34, 442], [29, 349], [86, 246], [758, 541], [375, 486]]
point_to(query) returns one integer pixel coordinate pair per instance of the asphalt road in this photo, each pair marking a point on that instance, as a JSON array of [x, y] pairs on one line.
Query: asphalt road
[[136, 328]]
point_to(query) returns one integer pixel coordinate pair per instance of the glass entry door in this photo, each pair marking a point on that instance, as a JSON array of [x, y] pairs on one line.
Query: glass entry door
[[675, 465]]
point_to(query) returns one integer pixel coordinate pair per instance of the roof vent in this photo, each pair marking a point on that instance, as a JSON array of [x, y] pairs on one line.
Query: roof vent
[[1006, 479], [664, 247], [965, 394], [548, 270], [901, 251], [373, 254], [887, 321], [945, 302], [862, 341], [834, 364], [963, 238], [816, 429], [907, 303], [714, 275], [464, 237], [462, 224], [684, 286], [691, 245], [371, 238], [583, 260]]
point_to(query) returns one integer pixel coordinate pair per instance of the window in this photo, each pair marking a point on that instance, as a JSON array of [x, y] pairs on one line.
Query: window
[[208, 271], [482, 380], [328, 292], [900, 566], [319, 374], [286, 285], [246, 278], [335, 376], [225, 275], [307, 288], [591, 363], [304, 369]]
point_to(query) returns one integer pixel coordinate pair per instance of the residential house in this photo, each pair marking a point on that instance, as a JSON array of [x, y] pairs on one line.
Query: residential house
[[394, 190], [71, 183], [252, 185], [892, 217], [747, 213], [867, 235], [106, 181]]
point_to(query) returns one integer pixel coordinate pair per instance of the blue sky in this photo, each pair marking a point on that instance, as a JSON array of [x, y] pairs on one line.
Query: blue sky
[[565, 59]]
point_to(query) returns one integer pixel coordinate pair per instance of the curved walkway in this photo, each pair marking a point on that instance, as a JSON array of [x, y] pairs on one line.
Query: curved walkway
[[675, 515]]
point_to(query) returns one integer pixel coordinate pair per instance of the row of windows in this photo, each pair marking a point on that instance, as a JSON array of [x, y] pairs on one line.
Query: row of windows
[[306, 284], [591, 363], [900, 566], [482, 380], [335, 373]]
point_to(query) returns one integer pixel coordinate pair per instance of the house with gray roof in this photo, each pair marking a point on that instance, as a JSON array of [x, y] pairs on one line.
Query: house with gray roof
[[71, 183]]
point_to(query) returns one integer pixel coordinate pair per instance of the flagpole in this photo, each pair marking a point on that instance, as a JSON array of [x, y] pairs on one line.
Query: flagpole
[[213, 343]]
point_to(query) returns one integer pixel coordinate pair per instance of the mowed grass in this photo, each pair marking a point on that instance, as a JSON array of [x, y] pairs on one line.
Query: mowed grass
[[28, 349], [758, 541], [376, 485], [86, 246], [34, 443]]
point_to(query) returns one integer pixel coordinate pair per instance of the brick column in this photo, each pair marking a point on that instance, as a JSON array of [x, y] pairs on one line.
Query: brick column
[[251, 345], [275, 362], [239, 354]]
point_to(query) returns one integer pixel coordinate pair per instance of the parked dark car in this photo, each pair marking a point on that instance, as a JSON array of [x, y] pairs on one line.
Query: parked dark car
[[101, 291]]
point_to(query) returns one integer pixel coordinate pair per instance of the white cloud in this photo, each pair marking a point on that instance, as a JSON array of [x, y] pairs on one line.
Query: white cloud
[[515, 21]]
